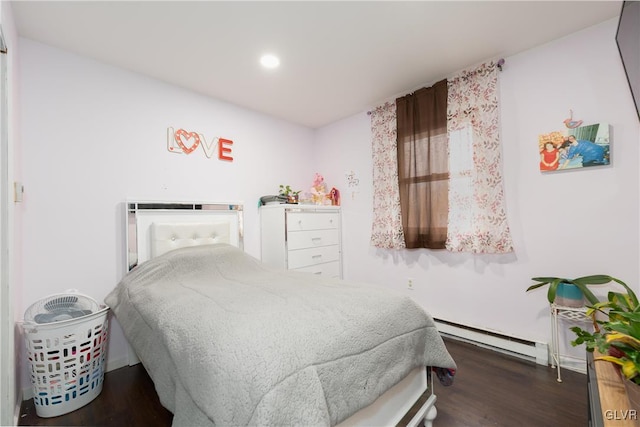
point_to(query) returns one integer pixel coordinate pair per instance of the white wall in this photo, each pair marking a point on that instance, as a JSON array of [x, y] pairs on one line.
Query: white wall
[[10, 395], [94, 136], [570, 223]]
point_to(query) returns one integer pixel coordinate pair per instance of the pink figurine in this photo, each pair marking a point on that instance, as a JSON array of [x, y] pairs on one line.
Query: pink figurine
[[334, 195], [318, 180]]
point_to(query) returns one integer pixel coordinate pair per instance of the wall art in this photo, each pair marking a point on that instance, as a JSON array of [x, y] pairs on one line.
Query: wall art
[[184, 142], [575, 148], [353, 183]]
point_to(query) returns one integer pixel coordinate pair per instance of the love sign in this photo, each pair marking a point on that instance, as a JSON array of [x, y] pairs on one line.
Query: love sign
[[184, 142], [182, 135]]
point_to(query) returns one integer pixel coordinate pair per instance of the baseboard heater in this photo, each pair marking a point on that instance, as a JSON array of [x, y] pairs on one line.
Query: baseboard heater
[[530, 350]]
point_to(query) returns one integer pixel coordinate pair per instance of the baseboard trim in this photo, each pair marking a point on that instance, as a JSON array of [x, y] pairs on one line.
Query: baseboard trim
[[519, 347], [16, 411], [573, 364], [114, 364]]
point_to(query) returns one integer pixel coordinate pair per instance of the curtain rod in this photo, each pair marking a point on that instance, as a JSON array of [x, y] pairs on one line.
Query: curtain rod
[[499, 64]]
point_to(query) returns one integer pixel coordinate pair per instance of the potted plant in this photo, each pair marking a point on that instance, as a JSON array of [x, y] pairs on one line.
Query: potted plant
[[292, 196], [617, 336], [567, 286], [616, 326]]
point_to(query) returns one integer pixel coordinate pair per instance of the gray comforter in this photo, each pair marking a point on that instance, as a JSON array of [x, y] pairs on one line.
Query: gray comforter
[[230, 341]]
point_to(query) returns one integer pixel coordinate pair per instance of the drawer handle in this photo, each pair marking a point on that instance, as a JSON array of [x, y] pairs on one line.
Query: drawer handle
[[316, 239], [316, 256], [318, 273]]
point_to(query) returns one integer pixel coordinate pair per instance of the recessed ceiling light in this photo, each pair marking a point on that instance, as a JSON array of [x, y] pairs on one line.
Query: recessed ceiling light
[[269, 61]]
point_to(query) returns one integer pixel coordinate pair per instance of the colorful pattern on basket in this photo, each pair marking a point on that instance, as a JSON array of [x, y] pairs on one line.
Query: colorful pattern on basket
[[67, 362]]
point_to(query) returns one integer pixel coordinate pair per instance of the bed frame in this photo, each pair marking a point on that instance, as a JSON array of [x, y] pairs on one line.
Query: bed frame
[[157, 227]]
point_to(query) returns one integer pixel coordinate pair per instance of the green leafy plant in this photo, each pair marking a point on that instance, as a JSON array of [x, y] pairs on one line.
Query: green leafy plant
[[618, 336], [581, 283], [286, 190], [616, 332]]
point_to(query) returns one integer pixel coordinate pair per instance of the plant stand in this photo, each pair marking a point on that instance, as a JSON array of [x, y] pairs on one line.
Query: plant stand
[[568, 313]]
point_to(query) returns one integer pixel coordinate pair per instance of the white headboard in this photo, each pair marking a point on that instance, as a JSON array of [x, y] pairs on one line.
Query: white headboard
[[154, 228]]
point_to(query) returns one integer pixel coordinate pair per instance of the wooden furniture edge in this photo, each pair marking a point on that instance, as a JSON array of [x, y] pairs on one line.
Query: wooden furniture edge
[[614, 402]]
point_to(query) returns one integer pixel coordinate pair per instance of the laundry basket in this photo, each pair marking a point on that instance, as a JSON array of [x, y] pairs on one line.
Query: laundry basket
[[66, 337]]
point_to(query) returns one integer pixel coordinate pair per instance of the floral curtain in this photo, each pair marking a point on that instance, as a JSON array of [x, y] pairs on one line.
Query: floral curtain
[[477, 214], [386, 231]]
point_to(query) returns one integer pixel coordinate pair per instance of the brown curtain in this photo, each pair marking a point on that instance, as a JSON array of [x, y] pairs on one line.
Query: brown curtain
[[423, 166]]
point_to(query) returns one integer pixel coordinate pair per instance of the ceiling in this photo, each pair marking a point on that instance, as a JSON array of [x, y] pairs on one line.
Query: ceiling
[[337, 58]]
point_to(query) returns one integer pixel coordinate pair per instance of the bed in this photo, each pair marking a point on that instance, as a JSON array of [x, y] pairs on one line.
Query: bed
[[228, 340]]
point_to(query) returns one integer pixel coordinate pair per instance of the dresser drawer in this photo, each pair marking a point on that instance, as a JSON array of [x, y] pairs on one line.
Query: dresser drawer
[[306, 257], [328, 269], [312, 239], [302, 237], [300, 221]]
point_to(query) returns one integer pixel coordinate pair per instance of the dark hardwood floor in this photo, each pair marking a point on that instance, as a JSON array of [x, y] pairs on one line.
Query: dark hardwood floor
[[493, 389], [490, 389], [128, 398]]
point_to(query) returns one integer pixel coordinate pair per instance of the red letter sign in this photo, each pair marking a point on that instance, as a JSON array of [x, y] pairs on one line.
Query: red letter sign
[[222, 150]]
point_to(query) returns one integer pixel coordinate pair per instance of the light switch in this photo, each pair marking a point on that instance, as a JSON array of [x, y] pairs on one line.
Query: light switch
[[18, 192]]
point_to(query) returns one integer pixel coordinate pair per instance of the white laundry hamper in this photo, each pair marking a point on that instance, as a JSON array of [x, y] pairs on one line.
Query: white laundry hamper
[[66, 338]]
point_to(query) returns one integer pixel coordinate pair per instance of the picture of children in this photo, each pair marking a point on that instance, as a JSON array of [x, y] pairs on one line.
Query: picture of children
[[584, 146], [549, 157], [565, 162]]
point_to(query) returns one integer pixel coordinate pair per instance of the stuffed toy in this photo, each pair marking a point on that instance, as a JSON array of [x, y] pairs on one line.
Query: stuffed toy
[[319, 190]]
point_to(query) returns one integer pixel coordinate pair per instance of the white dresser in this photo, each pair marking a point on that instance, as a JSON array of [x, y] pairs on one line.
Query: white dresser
[[302, 238]]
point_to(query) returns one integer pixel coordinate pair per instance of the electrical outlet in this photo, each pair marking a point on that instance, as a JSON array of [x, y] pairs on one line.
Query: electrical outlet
[[410, 283]]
